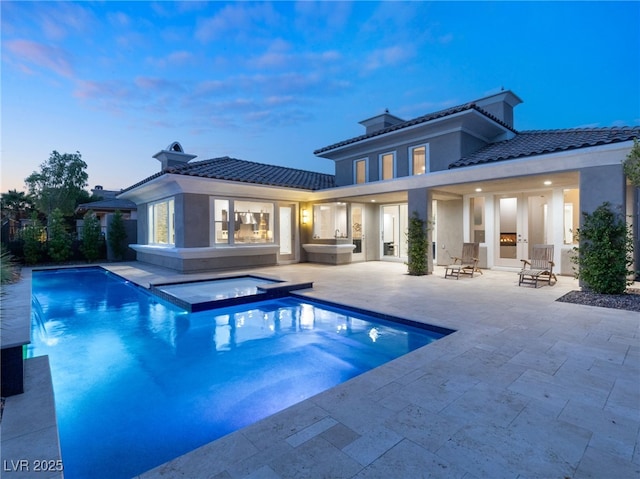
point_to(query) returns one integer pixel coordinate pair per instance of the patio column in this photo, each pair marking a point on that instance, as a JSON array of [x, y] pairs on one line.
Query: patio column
[[599, 184], [419, 200]]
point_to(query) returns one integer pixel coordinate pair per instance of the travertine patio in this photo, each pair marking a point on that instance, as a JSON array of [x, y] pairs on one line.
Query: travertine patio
[[527, 387]]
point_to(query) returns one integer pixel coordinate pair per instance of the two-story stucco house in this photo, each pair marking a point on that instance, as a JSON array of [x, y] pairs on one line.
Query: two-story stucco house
[[466, 169]]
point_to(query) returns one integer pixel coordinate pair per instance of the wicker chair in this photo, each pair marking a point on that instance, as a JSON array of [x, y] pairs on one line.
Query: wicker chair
[[539, 267], [467, 263]]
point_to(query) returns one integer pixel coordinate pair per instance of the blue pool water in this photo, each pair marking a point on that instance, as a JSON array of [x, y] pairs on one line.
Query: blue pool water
[[138, 381]]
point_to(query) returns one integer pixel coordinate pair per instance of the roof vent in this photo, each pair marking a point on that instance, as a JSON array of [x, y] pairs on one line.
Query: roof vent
[[175, 146], [174, 155]]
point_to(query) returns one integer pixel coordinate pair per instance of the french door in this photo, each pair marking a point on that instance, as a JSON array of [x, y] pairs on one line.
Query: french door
[[394, 231], [286, 230], [521, 221], [357, 232]]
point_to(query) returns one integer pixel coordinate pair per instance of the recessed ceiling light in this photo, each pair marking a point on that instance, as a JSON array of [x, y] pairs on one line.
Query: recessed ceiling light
[[478, 190], [547, 183], [373, 201]]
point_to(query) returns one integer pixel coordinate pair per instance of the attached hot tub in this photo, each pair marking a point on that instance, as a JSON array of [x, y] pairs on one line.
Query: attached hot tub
[[205, 294]]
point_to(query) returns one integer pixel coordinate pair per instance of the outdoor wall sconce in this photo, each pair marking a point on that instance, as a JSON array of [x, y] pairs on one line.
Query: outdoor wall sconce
[[305, 216]]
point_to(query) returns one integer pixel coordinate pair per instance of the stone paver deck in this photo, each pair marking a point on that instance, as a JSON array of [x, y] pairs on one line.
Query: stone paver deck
[[526, 387]]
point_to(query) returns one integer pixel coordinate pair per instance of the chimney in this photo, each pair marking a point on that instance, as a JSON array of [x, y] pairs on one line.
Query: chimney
[[174, 155], [500, 105], [380, 122]]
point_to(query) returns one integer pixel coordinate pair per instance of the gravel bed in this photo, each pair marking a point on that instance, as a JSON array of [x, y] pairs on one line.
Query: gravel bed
[[629, 301]]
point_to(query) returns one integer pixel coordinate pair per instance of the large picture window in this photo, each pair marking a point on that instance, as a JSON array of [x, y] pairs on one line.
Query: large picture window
[[253, 222], [330, 221], [161, 222]]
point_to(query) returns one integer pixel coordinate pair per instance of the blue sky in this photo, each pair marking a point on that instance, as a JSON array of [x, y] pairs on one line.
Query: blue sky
[[272, 82]]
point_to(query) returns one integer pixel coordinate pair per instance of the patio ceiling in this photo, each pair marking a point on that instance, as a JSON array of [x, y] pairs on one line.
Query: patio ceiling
[[508, 185], [567, 179]]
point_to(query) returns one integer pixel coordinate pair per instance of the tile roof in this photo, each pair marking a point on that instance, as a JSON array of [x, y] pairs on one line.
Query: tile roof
[[233, 169], [421, 119], [539, 142], [109, 204]]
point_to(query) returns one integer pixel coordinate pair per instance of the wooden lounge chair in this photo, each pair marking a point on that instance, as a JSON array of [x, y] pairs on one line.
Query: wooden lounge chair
[[539, 267], [467, 263]]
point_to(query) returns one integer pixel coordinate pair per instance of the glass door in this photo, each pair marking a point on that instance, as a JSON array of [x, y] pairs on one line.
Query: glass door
[[521, 220], [357, 232], [286, 229], [394, 231]]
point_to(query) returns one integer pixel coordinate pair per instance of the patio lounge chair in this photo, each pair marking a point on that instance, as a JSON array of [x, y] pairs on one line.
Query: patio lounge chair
[[539, 267], [467, 263]]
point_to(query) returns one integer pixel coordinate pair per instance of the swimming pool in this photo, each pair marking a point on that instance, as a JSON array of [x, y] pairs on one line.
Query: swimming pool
[[139, 381]]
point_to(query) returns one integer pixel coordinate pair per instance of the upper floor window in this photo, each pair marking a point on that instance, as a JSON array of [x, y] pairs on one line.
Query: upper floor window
[[387, 166], [361, 171], [418, 159], [161, 222]]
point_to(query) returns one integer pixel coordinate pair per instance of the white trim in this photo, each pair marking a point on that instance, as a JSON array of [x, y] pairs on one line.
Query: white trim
[[206, 252], [381, 166], [601, 155], [172, 184], [366, 170], [427, 162]]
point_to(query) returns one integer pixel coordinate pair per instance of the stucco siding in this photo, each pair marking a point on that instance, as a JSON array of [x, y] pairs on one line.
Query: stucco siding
[[196, 220]]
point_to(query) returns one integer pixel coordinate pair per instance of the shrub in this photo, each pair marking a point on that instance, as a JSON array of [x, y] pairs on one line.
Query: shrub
[[418, 246], [91, 236], [605, 251], [59, 240], [33, 237], [117, 236]]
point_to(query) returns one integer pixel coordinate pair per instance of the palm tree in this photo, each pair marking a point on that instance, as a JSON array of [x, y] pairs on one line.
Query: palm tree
[[16, 205]]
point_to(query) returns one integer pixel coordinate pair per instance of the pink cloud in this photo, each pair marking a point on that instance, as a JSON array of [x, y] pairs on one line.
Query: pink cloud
[[40, 55]]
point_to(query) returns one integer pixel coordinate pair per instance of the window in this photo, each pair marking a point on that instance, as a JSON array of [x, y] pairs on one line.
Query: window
[[387, 166], [418, 158], [361, 171], [253, 222], [330, 221], [476, 206], [220, 221], [161, 222]]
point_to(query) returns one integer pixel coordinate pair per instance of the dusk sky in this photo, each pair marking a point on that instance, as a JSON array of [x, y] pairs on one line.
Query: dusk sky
[[272, 82]]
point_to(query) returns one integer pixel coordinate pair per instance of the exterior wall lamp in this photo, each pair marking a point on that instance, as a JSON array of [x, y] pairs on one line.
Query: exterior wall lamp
[[305, 216]]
